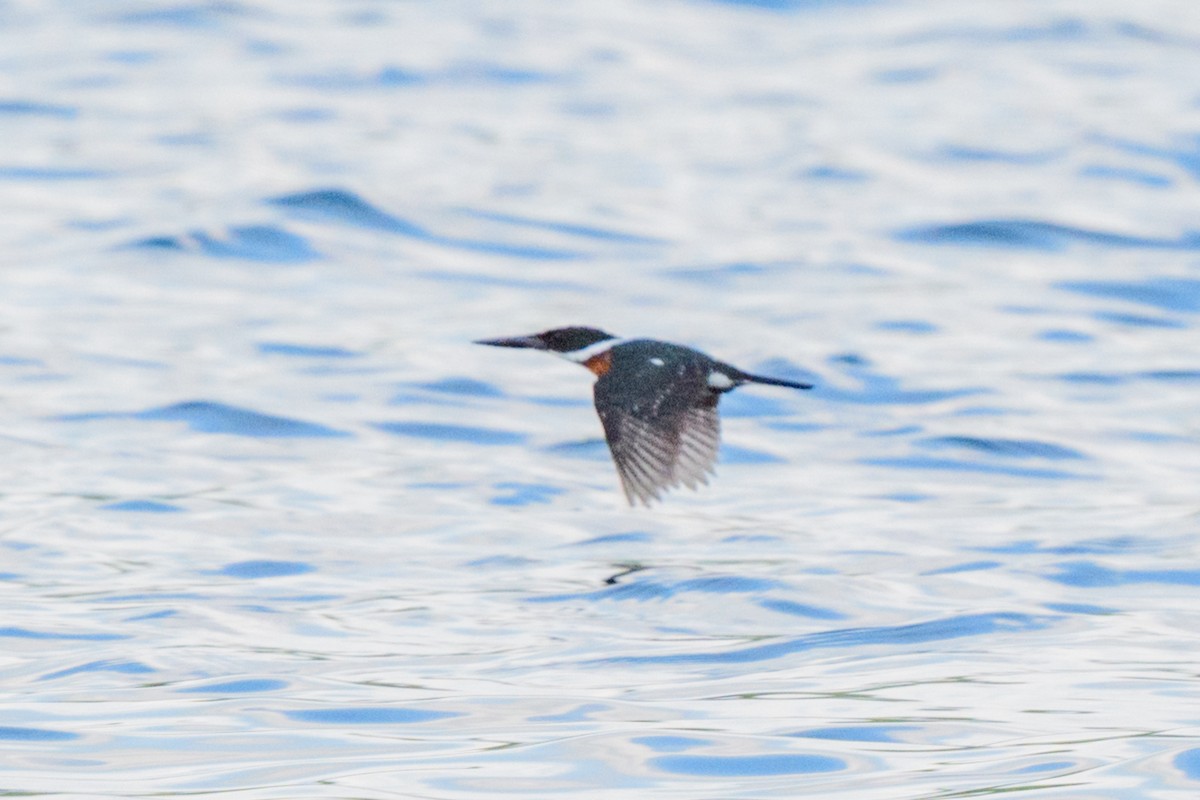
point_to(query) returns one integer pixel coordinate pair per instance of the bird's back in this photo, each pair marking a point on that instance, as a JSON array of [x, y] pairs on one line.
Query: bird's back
[[659, 416], [667, 376]]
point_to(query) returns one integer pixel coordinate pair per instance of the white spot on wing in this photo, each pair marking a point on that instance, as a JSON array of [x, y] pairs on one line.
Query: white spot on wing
[[658, 362]]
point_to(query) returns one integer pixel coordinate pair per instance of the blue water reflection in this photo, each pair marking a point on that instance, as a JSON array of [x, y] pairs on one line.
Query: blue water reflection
[[443, 432], [935, 630], [305, 350], [143, 506], [262, 568], [1164, 293], [209, 417], [1036, 234], [747, 766], [249, 685], [19, 734], [125, 667], [369, 716], [1188, 762], [252, 242], [874, 733], [344, 208], [34, 108], [11, 632], [1091, 575]]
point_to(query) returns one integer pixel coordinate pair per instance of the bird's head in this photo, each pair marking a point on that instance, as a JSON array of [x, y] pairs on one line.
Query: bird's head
[[570, 343]]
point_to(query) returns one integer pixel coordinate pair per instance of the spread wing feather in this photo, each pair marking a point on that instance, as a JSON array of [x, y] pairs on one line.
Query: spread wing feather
[[663, 432]]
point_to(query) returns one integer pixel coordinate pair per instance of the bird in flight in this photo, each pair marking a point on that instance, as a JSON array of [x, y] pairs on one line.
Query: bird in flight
[[657, 402]]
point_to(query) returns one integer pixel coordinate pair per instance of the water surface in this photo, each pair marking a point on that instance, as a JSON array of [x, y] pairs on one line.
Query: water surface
[[274, 528]]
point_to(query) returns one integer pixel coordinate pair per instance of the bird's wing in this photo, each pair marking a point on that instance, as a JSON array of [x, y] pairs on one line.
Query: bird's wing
[[664, 434]]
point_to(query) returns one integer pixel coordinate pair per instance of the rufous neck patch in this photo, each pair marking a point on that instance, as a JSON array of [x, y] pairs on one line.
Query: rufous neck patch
[[600, 363]]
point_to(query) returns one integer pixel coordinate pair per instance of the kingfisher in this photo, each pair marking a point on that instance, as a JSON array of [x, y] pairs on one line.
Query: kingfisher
[[657, 402]]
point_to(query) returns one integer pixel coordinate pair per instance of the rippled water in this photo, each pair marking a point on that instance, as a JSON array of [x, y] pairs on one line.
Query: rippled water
[[273, 527]]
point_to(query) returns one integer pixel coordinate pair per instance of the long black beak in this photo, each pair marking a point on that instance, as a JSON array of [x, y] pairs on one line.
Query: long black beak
[[776, 382], [748, 378], [515, 341]]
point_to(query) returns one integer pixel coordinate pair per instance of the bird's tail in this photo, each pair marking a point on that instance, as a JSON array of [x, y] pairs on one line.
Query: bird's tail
[[748, 378]]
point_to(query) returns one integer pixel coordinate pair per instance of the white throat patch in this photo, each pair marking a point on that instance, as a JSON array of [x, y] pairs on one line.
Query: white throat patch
[[719, 380], [591, 351]]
